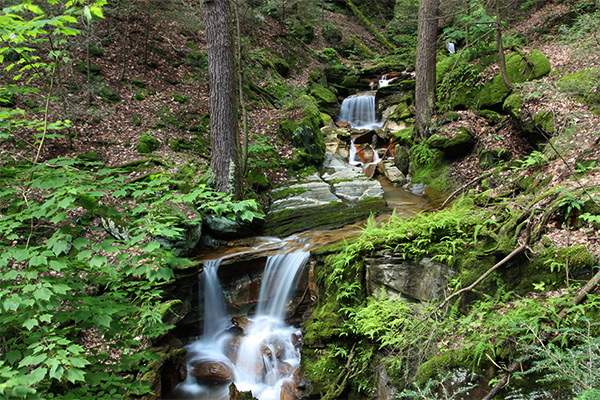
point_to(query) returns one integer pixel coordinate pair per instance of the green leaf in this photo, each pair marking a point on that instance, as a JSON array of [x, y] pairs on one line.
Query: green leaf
[[87, 13], [38, 374], [30, 323], [42, 294], [102, 320], [96, 12], [80, 242], [59, 217], [38, 261], [151, 246], [10, 304], [75, 374], [97, 261], [79, 362], [56, 371], [33, 360]]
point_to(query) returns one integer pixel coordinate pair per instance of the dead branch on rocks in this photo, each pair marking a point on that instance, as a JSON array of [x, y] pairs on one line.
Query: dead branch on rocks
[[463, 187]]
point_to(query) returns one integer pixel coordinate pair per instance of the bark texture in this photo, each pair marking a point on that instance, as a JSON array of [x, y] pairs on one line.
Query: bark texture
[[425, 95], [225, 162]]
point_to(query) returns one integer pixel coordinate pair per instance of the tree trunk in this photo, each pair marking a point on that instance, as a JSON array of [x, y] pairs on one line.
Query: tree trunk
[[501, 59], [244, 155], [426, 50], [225, 164]]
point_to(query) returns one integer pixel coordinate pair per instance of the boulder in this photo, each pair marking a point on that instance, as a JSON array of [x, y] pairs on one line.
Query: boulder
[[402, 158], [211, 371], [422, 280], [388, 169], [288, 390], [453, 143], [326, 99], [341, 194]]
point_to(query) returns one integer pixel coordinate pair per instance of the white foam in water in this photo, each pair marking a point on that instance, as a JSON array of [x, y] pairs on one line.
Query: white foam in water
[[267, 356]]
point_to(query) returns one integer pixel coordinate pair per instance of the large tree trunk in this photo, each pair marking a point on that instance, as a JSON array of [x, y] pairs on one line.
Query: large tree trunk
[[426, 49], [225, 163], [501, 59]]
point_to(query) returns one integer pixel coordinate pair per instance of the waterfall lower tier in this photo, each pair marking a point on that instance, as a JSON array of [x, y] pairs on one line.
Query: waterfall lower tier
[[359, 111], [259, 354]]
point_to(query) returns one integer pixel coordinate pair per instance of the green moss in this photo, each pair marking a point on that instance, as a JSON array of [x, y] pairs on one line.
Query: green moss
[[544, 120], [287, 192], [302, 30], [137, 119], [91, 155], [256, 178], [179, 98], [139, 97], [493, 117], [512, 105], [108, 95], [147, 144], [138, 83], [457, 145]]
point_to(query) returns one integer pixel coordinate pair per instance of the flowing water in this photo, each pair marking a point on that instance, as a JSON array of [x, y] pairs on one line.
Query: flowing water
[[263, 357], [359, 111]]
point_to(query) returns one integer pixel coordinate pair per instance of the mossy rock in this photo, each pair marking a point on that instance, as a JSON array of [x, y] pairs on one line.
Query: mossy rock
[[180, 144], [281, 66], [179, 98], [492, 117], [544, 120], [325, 99], [285, 222], [32, 105], [512, 105], [81, 66], [332, 34], [456, 144], [402, 158], [350, 81], [534, 66], [307, 137], [355, 47], [96, 51], [108, 95], [147, 144], [7, 99], [137, 119], [334, 74], [138, 83], [493, 93], [302, 30], [91, 156], [382, 68], [139, 97]]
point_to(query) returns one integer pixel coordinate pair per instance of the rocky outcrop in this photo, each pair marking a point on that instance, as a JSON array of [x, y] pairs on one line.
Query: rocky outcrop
[[422, 280], [339, 195]]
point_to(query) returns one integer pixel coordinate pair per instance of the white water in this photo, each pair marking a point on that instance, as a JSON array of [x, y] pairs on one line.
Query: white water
[[359, 111], [267, 356], [353, 159]]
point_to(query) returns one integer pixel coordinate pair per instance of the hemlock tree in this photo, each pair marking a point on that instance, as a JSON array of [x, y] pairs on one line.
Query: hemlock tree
[[225, 162], [425, 96]]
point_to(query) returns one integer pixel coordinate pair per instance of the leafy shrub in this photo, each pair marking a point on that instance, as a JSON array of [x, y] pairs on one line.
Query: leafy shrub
[[332, 34]]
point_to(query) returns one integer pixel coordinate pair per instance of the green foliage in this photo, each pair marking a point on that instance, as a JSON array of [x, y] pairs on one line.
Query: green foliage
[[536, 159], [573, 360], [435, 389], [465, 76], [422, 154], [478, 22]]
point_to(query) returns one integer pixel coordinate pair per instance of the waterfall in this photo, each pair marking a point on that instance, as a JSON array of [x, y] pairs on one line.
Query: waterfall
[[263, 357], [215, 312], [359, 111]]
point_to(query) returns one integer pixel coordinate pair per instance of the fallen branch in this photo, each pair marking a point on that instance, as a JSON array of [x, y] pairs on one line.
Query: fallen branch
[[338, 386], [463, 187], [516, 251]]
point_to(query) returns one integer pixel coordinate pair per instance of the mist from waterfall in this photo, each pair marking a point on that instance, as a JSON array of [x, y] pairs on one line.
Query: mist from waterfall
[[268, 353], [359, 111]]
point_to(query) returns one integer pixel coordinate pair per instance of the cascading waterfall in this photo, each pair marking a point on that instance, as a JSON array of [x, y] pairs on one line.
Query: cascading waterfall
[[359, 111], [267, 354], [215, 311]]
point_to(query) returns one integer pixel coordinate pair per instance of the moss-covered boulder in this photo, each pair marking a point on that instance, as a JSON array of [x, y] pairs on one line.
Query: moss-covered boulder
[[402, 158], [538, 127], [492, 117], [492, 94], [453, 143], [306, 136], [108, 95], [302, 30], [326, 100], [583, 86], [147, 144]]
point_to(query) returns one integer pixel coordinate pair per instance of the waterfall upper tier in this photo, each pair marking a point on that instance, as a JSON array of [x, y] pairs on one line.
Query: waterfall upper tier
[[359, 111]]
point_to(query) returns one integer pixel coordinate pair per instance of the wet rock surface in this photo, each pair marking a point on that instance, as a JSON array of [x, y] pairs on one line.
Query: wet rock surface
[[209, 371], [339, 195], [422, 280]]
